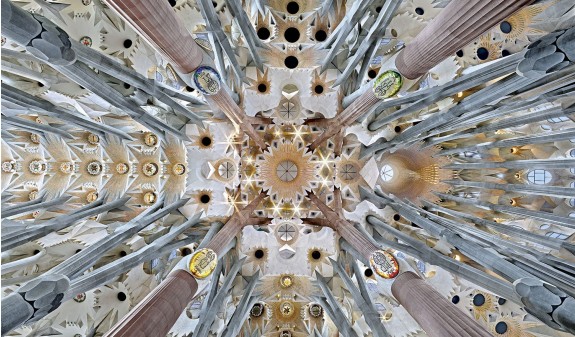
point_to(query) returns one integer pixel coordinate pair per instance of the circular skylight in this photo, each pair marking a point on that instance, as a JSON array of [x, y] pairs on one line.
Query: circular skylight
[[386, 173], [287, 171]]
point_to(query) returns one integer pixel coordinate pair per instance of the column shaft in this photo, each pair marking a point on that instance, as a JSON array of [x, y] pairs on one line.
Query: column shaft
[[157, 22], [358, 108], [158, 312], [454, 28], [434, 313]]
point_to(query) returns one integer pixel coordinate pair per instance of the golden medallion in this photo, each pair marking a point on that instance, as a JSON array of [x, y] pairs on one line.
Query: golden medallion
[[286, 309], [286, 281], [122, 168], [203, 263], [33, 195], [179, 169], [93, 139], [150, 169], [35, 138], [91, 197], [150, 198], [150, 139]]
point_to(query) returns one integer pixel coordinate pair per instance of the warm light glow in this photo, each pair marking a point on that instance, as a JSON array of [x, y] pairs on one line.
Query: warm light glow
[[325, 161], [298, 133], [277, 209], [297, 209]]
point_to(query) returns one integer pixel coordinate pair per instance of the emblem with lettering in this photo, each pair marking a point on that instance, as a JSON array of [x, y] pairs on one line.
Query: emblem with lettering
[[387, 84], [207, 80], [203, 263], [384, 264]]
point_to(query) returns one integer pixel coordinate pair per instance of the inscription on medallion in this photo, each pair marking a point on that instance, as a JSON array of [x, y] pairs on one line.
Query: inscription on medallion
[[203, 263], [207, 80], [387, 84], [384, 264]]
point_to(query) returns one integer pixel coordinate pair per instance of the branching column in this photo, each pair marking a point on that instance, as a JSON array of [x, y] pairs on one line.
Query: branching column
[[158, 312], [347, 231], [355, 110], [434, 313], [234, 226], [157, 22], [454, 28]]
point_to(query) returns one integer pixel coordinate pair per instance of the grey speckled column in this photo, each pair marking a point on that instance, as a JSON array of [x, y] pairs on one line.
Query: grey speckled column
[[434, 313], [15, 311], [454, 28]]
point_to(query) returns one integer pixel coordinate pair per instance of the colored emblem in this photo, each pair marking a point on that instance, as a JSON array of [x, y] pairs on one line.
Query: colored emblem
[[387, 84], [207, 80], [203, 263], [384, 264], [86, 41]]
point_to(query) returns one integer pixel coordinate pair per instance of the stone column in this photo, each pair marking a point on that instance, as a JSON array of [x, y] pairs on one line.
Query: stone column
[[434, 313], [437, 316], [158, 312], [358, 108], [454, 28], [159, 25], [233, 226], [164, 30]]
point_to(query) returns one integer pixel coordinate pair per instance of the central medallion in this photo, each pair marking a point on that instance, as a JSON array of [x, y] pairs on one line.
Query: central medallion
[[287, 171]]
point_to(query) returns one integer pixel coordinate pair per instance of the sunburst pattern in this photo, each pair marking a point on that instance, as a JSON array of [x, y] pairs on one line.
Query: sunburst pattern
[[482, 304], [262, 84], [520, 23], [301, 171], [320, 85]]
